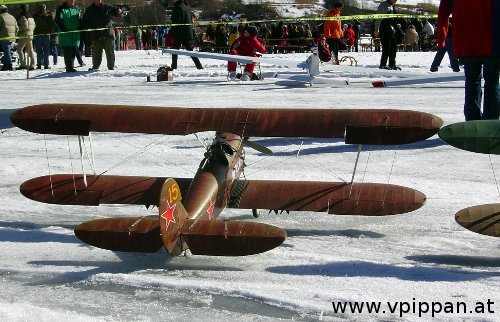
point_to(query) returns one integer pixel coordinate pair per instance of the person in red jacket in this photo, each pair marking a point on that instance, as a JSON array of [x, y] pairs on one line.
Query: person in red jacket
[[477, 51], [245, 45], [349, 36], [332, 30], [324, 53]]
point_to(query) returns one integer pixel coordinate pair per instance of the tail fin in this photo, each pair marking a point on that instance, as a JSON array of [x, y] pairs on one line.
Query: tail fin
[[172, 216]]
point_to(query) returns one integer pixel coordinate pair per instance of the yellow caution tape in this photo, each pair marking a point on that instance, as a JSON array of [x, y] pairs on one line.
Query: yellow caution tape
[[21, 1], [206, 23]]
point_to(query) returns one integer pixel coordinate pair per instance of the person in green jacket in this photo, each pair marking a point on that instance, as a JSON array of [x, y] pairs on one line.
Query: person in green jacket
[[68, 19]]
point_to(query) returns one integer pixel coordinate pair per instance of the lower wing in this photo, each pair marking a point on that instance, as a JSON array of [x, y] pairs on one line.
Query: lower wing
[[371, 199]]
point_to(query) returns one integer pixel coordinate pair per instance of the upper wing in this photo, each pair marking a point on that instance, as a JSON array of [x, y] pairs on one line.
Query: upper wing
[[357, 126], [370, 199], [234, 58]]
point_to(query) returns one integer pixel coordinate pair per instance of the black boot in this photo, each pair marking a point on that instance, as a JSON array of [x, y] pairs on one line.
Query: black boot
[[197, 63], [174, 62]]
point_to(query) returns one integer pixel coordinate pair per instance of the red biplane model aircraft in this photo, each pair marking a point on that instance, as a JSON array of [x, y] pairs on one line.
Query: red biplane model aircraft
[[188, 207]]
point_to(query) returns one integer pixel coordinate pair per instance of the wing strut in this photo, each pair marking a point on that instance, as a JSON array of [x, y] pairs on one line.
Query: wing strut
[[360, 147], [80, 139], [48, 165], [90, 155], [71, 162]]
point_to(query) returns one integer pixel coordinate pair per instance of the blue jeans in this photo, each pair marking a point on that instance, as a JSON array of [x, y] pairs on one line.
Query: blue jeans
[[6, 48], [448, 48], [55, 52], [473, 91], [42, 46]]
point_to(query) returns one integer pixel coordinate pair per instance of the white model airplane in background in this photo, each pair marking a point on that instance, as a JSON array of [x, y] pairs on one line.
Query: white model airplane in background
[[313, 66]]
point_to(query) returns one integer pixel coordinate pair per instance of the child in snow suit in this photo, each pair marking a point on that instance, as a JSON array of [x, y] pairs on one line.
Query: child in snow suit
[[245, 45]]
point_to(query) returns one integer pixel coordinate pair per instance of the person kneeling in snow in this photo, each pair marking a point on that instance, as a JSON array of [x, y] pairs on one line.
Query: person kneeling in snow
[[245, 45], [324, 52]]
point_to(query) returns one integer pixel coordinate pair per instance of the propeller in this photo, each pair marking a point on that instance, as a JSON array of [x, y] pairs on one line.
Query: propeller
[[256, 146]]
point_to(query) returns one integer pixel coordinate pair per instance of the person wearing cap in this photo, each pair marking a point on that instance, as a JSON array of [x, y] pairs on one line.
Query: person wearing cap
[[479, 52], [68, 21], [332, 31], [8, 32], [45, 26], [25, 38], [245, 45], [385, 29], [98, 16]]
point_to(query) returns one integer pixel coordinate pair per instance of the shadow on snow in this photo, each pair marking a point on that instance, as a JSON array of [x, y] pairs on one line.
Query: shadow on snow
[[369, 269], [25, 232], [459, 260]]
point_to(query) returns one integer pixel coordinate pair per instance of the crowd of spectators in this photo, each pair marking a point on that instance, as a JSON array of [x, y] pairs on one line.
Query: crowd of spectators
[[299, 36]]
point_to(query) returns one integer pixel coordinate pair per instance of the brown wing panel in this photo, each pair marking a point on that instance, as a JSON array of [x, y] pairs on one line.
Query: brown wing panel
[[68, 190], [126, 234], [357, 125], [370, 199], [230, 238], [482, 219]]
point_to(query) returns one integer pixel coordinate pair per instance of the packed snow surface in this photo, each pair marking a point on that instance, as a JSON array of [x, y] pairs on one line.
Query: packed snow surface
[[402, 261]]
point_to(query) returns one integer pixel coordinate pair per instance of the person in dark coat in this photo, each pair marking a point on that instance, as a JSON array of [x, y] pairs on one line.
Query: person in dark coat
[[386, 32], [45, 26], [478, 51], [99, 15], [399, 34], [357, 32], [447, 48], [183, 34]]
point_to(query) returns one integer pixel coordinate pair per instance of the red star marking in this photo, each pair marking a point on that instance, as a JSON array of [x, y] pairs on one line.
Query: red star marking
[[168, 215], [210, 210]]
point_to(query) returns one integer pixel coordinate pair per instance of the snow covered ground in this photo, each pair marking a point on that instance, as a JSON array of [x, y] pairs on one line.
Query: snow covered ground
[[403, 261]]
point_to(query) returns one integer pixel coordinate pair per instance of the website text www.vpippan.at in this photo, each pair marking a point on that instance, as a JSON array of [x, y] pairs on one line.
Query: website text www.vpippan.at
[[415, 307]]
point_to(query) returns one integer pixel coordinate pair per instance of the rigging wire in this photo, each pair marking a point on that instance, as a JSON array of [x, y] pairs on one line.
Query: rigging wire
[[294, 155], [135, 146], [142, 149], [389, 179], [48, 165], [364, 174], [134, 154], [494, 175]]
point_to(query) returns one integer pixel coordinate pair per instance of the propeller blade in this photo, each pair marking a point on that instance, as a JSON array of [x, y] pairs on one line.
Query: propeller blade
[[256, 146]]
